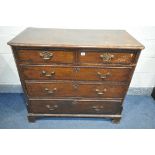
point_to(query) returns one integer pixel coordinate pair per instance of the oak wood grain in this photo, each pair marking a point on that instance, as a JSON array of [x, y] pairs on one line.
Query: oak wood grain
[[115, 74], [95, 57], [47, 37], [75, 107], [75, 89], [34, 56], [75, 73]]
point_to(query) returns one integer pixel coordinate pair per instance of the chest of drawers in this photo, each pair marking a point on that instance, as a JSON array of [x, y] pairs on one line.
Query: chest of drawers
[[76, 73]]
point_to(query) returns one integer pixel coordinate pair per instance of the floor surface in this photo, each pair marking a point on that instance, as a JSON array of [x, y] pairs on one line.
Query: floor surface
[[139, 112]]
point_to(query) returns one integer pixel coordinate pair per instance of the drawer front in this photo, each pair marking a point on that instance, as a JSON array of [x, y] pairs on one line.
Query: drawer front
[[76, 73], [99, 58], [75, 107], [104, 74], [68, 89], [44, 57], [47, 73]]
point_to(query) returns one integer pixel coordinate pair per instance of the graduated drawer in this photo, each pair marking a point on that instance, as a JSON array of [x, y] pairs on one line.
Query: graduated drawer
[[105, 57], [75, 107], [73, 89], [121, 74], [44, 56]]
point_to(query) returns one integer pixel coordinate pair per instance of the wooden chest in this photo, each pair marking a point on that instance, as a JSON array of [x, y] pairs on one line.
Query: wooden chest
[[76, 73]]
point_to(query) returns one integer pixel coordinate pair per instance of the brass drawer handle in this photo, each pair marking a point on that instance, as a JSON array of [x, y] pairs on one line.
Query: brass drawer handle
[[51, 108], [99, 92], [98, 108], [106, 56], [50, 91], [103, 76], [46, 55], [48, 75]]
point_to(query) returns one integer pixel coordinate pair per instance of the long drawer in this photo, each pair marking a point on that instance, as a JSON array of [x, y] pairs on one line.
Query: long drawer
[[45, 56], [120, 74], [72, 89], [75, 107]]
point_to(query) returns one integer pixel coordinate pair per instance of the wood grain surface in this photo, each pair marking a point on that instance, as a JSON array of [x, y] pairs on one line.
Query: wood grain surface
[[75, 107], [75, 38], [75, 73], [74, 89]]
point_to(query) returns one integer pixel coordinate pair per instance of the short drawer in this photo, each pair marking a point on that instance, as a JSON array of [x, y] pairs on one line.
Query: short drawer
[[120, 74], [72, 89], [44, 56], [99, 58], [75, 107]]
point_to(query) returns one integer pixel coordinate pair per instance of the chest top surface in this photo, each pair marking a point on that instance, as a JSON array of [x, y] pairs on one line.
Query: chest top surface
[[71, 38]]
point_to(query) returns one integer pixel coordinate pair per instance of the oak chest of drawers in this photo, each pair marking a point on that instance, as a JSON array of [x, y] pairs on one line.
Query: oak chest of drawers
[[77, 73]]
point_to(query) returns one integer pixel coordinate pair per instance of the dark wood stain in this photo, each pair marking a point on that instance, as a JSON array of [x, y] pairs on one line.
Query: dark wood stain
[[75, 107], [33, 56], [75, 73], [95, 58], [71, 89], [46, 37]]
